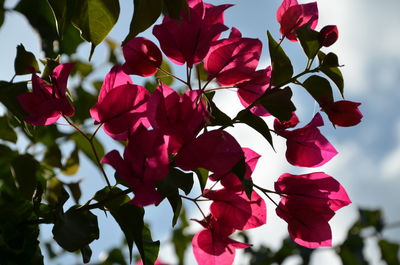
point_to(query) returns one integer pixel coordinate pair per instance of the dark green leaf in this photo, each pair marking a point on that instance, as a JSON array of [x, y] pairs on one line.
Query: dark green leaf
[[75, 189], [180, 179], [95, 19], [24, 60], [351, 251], [25, 168], [72, 165], [150, 248], [240, 169], [150, 86], [371, 218], [145, 13], [309, 41], [8, 96], [202, 175], [257, 123], [84, 145], [282, 69], [389, 252], [59, 8], [85, 101], [55, 192], [278, 102], [218, 117], [2, 11], [176, 205], [174, 7], [328, 60], [7, 133], [86, 252], [75, 229], [112, 198], [336, 76], [70, 41], [52, 157], [82, 68], [41, 20], [201, 72], [320, 89]]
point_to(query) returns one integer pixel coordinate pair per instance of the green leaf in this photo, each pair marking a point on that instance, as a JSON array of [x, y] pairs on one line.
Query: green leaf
[[75, 229], [145, 13], [53, 156], [257, 123], [201, 72], [95, 19], [55, 192], [59, 8], [24, 169], [7, 133], [166, 79], [278, 102], [42, 20], [149, 247], [72, 164], [282, 69], [218, 118], [351, 251], [75, 190], [82, 68], [309, 41], [240, 169], [328, 60], [2, 11], [84, 145], [389, 252], [86, 252], [8, 96], [176, 205], [202, 175], [85, 101], [320, 89], [178, 179], [372, 218], [24, 60], [70, 41], [174, 7], [336, 76]]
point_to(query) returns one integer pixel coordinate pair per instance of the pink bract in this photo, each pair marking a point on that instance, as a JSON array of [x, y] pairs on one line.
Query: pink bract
[[308, 203], [233, 60], [307, 147], [344, 113], [180, 118], [249, 91], [142, 57], [121, 106], [292, 16], [234, 209], [145, 162], [328, 35], [216, 151], [212, 246], [48, 102], [188, 40]]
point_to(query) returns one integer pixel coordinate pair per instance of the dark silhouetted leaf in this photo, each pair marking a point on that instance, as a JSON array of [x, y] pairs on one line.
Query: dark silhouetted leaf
[[389, 252], [25, 168], [328, 60], [202, 175], [86, 252], [174, 7], [145, 13], [75, 229], [201, 72], [8, 96], [282, 69], [7, 133], [176, 205], [319, 88], [59, 8], [84, 145], [52, 157], [217, 116], [24, 60], [240, 169], [72, 164], [95, 19], [257, 123], [75, 189], [336, 76], [278, 102], [309, 41]]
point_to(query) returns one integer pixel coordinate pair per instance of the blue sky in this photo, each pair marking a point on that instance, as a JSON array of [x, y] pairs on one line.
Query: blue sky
[[368, 161]]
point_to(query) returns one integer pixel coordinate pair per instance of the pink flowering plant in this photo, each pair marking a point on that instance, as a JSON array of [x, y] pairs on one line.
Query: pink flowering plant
[[171, 136]]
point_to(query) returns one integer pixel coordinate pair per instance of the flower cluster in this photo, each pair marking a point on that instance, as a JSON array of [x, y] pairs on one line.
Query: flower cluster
[[165, 130]]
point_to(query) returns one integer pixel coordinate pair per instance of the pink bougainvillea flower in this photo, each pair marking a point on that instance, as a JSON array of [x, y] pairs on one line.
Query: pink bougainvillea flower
[[230, 180], [48, 102], [180, 118], [212, 246], [121, 106], [328, 35], [188, 40], [249, 91], [233, 60], [142, 57], [281, 126], [344, 113], [292, 16], [309, 202], [234, 209], [307, 147], [145, 162], [216, 151]]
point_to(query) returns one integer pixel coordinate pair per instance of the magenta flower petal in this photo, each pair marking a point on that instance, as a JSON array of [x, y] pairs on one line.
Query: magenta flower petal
[[60, 75], [142, 57], [114, 78], [328, 35], [234, 209], [216, 151], [344, 113]]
